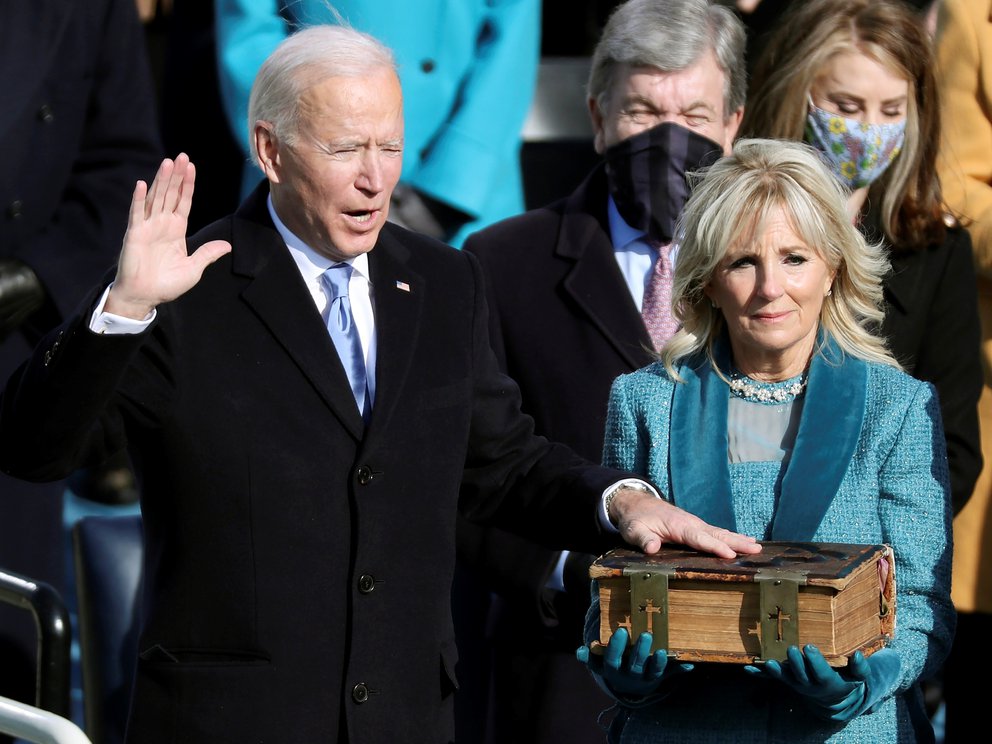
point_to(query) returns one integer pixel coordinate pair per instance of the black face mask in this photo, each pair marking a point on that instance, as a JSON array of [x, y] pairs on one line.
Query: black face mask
[[646, 175]]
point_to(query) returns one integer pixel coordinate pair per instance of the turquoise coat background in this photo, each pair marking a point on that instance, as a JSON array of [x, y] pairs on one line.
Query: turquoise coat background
[[463, 116], [869, 466]]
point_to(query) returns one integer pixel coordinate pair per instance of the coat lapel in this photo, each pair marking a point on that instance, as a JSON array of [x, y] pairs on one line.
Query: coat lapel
[[595, 282], [825, 442], [277, 294], [698, 443], [399, 295]]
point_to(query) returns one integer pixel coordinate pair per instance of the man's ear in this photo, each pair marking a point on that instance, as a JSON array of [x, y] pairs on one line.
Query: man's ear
[[267, 147], [733, 125], [598, 122]]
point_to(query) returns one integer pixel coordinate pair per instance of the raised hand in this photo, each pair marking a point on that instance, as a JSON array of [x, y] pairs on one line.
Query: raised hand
[[154, 266], [633, 672], [648, 522]]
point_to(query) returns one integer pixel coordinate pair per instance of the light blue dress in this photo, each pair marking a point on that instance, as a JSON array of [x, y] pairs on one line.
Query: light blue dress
[[868, 466], [468, 69]]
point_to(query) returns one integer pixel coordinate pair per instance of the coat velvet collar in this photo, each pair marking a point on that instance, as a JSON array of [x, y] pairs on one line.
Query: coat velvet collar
[[827, 436]]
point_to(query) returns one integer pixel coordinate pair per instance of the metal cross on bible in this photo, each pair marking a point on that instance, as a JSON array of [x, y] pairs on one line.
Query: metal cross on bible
[[651, 610]]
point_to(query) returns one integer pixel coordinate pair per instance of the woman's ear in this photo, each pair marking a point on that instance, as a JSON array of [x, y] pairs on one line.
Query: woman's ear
[[829, 289], [708, 291]]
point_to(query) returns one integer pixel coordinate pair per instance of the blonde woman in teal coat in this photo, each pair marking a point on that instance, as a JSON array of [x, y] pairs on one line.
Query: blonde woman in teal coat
[[776, 412], [468, 69]]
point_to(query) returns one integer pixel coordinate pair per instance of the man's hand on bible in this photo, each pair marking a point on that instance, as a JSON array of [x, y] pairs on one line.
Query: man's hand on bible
[[647, 523]]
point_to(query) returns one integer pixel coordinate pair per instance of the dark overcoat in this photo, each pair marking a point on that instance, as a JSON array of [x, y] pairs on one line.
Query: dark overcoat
[[564, 326], [298, 563]]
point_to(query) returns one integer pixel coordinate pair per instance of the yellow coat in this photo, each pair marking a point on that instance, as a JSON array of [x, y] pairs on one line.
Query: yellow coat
[[964, 54]]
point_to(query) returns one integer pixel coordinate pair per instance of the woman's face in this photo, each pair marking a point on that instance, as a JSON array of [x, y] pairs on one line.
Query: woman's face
[[855, 86], [770, 289]]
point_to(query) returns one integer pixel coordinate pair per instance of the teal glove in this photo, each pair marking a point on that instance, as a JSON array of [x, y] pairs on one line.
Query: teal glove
[[634, 674], [879, 672], [829, 692]]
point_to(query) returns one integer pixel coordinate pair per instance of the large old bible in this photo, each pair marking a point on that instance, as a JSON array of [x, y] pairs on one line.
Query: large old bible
[[840, 597]]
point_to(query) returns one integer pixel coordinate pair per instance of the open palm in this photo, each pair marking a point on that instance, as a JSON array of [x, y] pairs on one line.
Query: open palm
[[154, 265]]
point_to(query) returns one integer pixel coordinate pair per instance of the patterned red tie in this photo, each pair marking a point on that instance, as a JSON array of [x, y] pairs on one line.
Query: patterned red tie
[[656, 309]]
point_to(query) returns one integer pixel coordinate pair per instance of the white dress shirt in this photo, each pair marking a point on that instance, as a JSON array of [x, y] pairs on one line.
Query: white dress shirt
[[633, 253], [312, 266]]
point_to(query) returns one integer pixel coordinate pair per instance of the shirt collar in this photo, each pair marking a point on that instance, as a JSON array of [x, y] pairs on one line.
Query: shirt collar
[[312, 264], [621, 233]]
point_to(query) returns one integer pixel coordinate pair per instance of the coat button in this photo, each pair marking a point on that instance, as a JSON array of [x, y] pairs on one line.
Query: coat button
[[366, 584], [15, 209], [360, 693], [365, 475], [427, 65], [45, 114]]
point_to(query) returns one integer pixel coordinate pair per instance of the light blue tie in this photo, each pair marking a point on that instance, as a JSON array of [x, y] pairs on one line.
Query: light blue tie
[[344, 333]]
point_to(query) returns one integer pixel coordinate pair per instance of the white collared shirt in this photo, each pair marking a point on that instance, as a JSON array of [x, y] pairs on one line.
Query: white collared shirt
[[633, 254], [312, 266]]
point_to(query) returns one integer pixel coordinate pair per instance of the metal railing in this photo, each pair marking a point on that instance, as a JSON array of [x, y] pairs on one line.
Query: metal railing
[[51, 619], [36, 725]]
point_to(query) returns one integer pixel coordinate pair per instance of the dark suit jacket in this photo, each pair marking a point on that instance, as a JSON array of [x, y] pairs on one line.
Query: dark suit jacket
[[77, 129], [931, 322], [298, 567], [564, 326], [561, 313]]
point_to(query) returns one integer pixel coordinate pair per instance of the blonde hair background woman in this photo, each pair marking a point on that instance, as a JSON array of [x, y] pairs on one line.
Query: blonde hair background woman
[[856, 78]]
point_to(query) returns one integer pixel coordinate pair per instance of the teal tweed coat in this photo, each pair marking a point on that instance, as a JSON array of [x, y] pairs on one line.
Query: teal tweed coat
[[868, 466]]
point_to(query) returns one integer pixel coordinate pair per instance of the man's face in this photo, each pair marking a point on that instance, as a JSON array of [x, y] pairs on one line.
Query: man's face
[[644, 97], [332, 186]]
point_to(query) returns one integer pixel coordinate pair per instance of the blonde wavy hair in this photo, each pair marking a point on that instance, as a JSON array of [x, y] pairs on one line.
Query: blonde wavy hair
[[728, 206]]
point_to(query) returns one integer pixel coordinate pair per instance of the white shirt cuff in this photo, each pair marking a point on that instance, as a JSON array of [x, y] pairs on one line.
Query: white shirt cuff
[[111, 325]]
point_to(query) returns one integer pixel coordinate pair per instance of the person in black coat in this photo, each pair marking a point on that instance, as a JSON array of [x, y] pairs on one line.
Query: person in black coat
[[565, 284], [78, 127], [299, 556]]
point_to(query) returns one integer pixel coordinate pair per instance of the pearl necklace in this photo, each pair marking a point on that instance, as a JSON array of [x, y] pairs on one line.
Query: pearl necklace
[[773, 393]]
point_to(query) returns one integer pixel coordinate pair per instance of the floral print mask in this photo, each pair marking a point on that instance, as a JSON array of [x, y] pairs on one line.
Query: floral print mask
[[857, 153]]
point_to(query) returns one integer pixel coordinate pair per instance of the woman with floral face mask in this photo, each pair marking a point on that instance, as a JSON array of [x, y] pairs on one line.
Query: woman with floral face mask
[[856, 80]]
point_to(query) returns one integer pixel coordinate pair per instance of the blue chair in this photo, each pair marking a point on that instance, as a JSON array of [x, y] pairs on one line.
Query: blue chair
[[108, 553]]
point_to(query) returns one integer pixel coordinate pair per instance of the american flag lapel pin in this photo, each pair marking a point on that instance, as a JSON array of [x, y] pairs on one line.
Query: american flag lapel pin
[[402, 286]]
